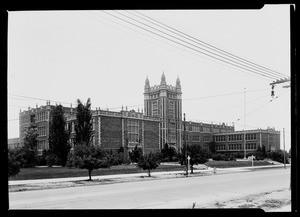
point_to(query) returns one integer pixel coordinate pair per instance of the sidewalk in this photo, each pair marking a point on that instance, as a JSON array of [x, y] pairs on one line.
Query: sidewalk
[[202, 170]]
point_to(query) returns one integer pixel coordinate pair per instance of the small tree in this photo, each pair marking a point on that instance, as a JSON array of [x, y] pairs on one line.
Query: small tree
[[135, 154], [197, 154], [28, 152], [89, 157], [13, 163], [148, 162]]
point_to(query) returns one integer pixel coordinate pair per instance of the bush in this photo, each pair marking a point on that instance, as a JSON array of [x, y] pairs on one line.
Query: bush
[[238, 155], [135, 154], [13, 163], [219, 157], [51, 160], [278, 155]]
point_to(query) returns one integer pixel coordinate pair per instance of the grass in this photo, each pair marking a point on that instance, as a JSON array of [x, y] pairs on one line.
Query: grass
[[228, 164], [63, 172]]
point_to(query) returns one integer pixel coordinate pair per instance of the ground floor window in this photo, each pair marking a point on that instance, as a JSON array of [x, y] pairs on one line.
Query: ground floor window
[[251, 146]]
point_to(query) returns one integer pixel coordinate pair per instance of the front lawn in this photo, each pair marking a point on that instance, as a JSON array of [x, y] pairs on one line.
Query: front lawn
[[228, 164], [63, 172]]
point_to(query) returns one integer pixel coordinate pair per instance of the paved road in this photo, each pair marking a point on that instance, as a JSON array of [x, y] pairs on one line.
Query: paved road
[[166, 193]]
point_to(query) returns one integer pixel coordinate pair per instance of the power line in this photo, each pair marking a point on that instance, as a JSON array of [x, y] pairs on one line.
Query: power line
[[176, 31], [257, 72], [258, 108]]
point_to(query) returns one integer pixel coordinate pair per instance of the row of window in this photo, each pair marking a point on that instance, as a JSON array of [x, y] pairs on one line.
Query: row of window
[[233, 147], [42, 131], [41, 116], [196, 138], [133, 130], [238, 137]]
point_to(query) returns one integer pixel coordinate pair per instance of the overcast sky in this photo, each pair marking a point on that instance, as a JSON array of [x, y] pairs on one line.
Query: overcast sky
[[68, 55]]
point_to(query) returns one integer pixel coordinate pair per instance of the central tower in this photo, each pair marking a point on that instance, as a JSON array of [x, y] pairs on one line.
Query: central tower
[[164, 101]]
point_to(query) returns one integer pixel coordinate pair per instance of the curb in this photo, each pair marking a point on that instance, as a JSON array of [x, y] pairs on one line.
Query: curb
[[208, 170]]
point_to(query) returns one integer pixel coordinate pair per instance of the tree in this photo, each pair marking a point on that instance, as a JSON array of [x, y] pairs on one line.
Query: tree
[[197, 154], [28, 152], [135, 154], [83, 124], [58, 135], [13, 163], [168, 153], [89, 157], [212, 147], [148, 162]]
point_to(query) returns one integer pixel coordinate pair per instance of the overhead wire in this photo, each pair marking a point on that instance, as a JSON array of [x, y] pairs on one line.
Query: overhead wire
[[197, 50], [205, 44], [260, 107], [164, 42]]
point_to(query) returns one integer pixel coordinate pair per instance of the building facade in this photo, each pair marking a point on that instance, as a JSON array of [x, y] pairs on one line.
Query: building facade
[[164, 102], [160, 123], [248, 140]]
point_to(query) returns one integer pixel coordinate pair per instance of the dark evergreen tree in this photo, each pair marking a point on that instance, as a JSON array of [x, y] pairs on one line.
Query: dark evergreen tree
[[135, 154], [58, 135], [212, 147], [83, 124]]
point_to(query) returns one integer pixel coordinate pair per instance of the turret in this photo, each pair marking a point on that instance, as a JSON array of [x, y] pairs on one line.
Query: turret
[[163, 83], [178, 85], [147, 85]]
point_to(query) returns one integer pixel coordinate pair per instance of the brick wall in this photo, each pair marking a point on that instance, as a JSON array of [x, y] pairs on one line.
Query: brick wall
[[111, 132], [151, 138]]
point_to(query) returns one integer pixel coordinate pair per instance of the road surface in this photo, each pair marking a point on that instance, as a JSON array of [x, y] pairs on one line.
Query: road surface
[[155, 194]]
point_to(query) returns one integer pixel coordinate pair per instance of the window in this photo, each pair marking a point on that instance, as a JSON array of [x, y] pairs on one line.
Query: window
[[235, 137], [221, 147], [206, 129], [251, 136], [154, 108], [42, 131], [196, 128], [186, 137], [133, 131], [171, 109], [206, 138], [251, 146], [196, 138], [220, 138]]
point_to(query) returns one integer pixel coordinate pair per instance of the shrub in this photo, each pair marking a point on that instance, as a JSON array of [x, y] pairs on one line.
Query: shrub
[[219, 157], [13, 163], [135, 154], [278, 155], [148, 162], [51, 160]]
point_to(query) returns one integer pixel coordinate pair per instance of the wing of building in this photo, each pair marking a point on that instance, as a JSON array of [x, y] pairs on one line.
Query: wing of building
[[160, 123]]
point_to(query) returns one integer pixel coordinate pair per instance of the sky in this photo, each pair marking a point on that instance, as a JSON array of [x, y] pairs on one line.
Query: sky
[[63, 56]]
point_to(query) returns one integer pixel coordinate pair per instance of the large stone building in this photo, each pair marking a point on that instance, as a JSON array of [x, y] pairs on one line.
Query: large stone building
[[164, 101], [160, 123]]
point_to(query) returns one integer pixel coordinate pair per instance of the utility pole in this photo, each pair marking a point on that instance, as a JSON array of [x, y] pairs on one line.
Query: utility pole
[[244, 122], [184, 135], [284, 149]]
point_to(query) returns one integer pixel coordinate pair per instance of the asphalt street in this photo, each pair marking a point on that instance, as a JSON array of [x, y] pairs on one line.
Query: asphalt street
[[155, 194]]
